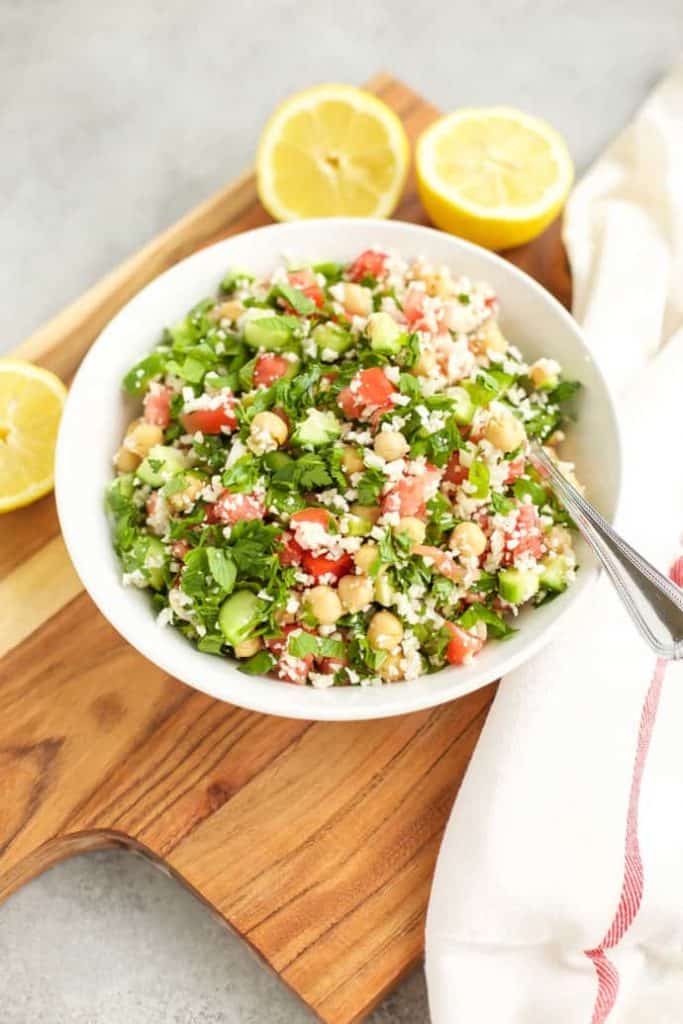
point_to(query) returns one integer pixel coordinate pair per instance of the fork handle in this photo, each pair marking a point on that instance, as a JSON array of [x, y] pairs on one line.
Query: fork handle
[[654, 602]]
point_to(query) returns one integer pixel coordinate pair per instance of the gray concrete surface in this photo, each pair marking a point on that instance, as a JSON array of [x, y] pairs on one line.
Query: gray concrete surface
[[115, 118]]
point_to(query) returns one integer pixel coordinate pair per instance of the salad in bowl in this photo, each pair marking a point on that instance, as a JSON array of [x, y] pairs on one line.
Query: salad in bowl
[[328, 477]]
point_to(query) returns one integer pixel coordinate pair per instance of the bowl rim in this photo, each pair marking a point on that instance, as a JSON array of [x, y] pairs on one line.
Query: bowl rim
[[278, 699]]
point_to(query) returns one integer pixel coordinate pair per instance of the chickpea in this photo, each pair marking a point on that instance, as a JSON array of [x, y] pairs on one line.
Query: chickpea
[[390, 670], [231, 310], [248, 647], [468, 539], [390, 445], [426, 364], [126, 461], [355, 592], [370, 513], [559, 539], [491, 339], [182, 501], [366, 557], [324, 604], [505, 431], [357, 300], [413, 526], [351, 460], [385, 632], [141, 436], [266, 425], [543, 374]]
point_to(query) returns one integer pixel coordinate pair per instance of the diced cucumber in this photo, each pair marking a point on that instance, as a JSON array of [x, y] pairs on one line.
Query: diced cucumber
[[154, 563], [384, 592], [332, 341], [554, 575], [517, 585], [463, 406], [384, 333], [356, 526], [293, 367], [317, 429], [276, 460], [160, 465], [239, 616], [268, 332]]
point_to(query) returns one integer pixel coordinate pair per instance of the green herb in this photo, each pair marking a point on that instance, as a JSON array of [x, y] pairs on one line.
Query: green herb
[[211, 643], [222, 568], [136, 380], [242, 475], [479, 477], [235, 279], [299, 302], [524, 486], [501, 506], [302, 644], [464, 298], [496, 625], [259, 664], [370, 486], [565, 390]]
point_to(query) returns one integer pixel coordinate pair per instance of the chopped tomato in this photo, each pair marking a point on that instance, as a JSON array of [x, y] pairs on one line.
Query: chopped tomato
[[463, 645], [526, 536], [312, 515], [291, 552], [328, 666], [515, 469], [443, 561], [152, 504], [269, 368], [157, 405], [231, 508], [179, 549], [289, 668], [211, 421], [369, 264], [676, 572], [455, 471], [369, 390], [320, 565], [305, 281], [410, 495]]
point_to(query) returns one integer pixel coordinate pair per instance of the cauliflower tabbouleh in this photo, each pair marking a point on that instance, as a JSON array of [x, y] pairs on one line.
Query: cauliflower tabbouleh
[[329, 479]]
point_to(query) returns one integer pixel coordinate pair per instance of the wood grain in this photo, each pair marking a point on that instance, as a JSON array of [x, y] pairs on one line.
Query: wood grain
[[315, 842]]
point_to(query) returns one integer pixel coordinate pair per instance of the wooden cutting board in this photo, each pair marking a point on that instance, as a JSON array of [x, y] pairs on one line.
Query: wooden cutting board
[[315, 842]]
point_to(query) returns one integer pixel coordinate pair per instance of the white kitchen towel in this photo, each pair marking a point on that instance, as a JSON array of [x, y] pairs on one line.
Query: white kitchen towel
[[558, 894]]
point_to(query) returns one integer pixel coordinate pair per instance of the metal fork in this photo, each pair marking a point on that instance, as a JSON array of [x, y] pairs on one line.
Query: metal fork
[[654, 602]]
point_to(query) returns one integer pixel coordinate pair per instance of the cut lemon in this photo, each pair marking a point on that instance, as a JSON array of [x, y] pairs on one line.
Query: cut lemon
[[332, 150], [495, 176], [31, 403]]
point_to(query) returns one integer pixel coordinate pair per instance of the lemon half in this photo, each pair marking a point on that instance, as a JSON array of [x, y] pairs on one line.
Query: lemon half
[[31, 403], [494, 176], [333, 150]]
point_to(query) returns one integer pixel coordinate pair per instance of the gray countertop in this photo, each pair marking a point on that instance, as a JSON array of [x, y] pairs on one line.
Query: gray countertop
[[117, 118]]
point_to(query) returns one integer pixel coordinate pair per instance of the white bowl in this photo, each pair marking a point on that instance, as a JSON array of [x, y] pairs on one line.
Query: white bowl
[[96, 414]]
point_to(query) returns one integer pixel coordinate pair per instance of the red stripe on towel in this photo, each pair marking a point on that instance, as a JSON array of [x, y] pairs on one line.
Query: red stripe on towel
[[634, 879]]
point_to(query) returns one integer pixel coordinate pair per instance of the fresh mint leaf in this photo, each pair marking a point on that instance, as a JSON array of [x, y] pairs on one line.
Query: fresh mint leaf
[[299, 302], [496, 625], [258, 665], [222, 568], [136, 380]]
